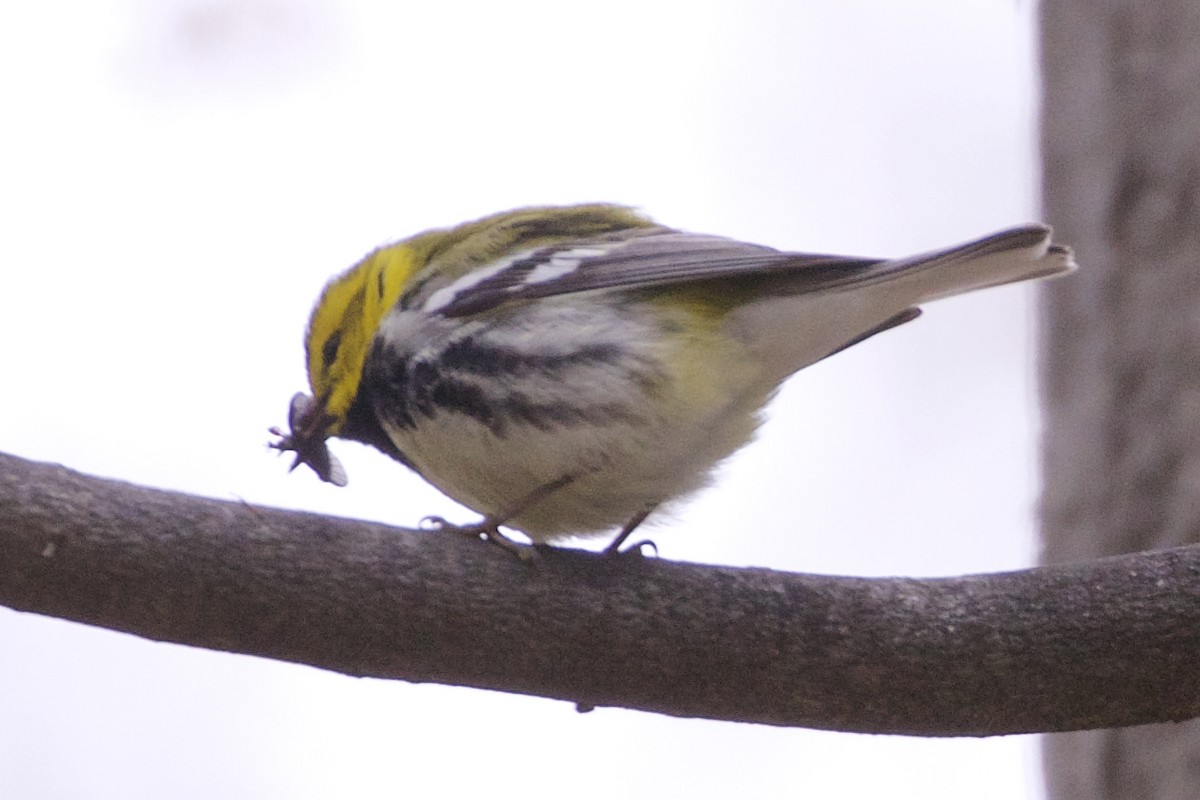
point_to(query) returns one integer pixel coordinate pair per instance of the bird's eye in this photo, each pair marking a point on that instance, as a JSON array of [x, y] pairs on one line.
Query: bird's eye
[[329, 351]]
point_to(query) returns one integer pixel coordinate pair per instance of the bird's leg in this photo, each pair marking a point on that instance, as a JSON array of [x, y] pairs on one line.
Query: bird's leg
[[489, 526], [615, 547]]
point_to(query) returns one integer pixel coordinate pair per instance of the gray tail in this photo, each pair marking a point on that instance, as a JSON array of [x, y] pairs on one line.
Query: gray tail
[[1018, 254]]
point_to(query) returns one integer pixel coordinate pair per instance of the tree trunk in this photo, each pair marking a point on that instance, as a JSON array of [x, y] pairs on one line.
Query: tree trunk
[[1121, 346]]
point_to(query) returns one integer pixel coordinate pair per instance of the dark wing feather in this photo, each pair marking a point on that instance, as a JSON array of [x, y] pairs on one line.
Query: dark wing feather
[[640, 261]]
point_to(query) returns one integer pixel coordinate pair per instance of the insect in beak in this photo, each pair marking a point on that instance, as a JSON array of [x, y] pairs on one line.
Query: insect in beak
[[307, 439]]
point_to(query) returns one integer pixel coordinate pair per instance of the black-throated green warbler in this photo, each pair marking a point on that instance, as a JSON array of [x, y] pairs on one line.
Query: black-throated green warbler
[[566, 371]]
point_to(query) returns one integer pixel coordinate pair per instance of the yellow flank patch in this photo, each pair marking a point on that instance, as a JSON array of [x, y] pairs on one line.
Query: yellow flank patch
[[702, 349], [345, 321]]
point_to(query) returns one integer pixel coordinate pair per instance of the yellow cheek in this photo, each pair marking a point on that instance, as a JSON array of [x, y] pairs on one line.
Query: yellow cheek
[[341, 397], [353, 306]]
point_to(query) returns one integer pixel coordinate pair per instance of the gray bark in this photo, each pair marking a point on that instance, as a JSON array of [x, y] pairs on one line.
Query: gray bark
[[1121, 346], [1008, 653]]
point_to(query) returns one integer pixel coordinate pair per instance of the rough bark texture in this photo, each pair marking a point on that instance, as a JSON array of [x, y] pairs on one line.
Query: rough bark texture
[[1037, 650], [1121, 347]]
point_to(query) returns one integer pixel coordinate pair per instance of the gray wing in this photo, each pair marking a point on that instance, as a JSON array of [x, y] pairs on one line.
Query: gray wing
[[655, 258], [660, 257]]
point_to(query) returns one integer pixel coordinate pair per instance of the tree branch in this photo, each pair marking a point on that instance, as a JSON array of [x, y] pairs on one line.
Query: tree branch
[[1102, 644]]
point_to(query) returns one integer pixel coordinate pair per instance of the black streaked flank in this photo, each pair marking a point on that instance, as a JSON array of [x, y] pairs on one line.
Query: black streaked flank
[[447, 394], [405, 390], [477, 358]]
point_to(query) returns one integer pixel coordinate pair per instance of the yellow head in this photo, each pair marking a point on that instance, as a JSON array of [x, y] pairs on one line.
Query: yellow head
[[353, 305], [343, 324]]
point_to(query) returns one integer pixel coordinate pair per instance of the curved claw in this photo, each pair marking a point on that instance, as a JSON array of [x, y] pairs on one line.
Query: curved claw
[[487, 529], [635, 549]]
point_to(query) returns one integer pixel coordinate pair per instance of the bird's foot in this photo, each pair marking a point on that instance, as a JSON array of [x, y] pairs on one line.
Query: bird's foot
[[487, 529]]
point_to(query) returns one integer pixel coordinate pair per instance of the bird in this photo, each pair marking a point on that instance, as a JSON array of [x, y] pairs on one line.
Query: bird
[[567, 371]]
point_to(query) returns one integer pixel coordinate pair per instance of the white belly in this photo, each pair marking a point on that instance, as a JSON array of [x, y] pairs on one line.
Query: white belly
[[633, 431]]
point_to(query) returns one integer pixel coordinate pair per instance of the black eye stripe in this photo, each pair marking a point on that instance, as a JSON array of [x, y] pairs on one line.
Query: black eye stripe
[[329, 351]]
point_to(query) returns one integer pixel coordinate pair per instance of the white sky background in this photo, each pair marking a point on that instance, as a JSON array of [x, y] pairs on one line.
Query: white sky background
[[180, 178]]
